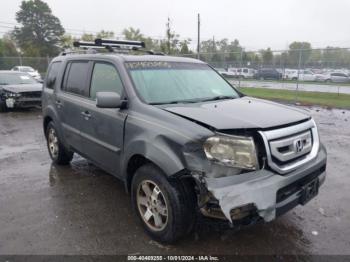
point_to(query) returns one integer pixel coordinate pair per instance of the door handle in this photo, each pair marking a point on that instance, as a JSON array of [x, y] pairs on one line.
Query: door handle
[[86, 115]]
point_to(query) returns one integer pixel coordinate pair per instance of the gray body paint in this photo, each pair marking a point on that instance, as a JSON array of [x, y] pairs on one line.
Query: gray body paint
[[172, 136]]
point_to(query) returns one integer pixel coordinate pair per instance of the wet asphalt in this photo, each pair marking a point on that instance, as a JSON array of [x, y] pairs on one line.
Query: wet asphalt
[[79, 209]]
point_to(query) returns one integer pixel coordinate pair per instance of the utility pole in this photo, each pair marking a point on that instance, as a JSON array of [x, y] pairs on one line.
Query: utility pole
[[299, 64], [168, 34], [198, 37]]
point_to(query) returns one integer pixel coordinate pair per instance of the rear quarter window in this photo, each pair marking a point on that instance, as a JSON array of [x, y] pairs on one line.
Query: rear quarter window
[[53, 71]]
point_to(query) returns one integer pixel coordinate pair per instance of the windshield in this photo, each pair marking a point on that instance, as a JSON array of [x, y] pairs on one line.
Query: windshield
[[174, 82], [26, 69], [16, 79]]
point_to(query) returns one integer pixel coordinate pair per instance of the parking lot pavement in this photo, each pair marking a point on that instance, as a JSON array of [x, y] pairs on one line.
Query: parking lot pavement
[[311, 87], [79, 209]]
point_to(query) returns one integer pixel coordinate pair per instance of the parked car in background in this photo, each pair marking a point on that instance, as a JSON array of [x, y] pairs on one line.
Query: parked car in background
[[307, 75], [18, 90], [29, 70], [290, 74], [246, 72], [268, 73], [338, 77], [232, 71], [334, 77], [229, 73]]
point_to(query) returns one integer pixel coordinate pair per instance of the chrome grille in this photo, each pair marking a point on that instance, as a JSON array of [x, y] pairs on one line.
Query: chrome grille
[[290, 147]]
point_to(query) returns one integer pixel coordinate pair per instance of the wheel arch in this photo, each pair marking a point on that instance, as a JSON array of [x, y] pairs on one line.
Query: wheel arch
[[142, 153]]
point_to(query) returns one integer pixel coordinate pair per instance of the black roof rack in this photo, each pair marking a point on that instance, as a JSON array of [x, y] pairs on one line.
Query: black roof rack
[[111, 46], [86, 44], [110, 42]]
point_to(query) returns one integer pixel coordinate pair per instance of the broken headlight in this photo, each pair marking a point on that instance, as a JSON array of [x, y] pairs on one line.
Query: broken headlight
[[234, 151], [9, 94]]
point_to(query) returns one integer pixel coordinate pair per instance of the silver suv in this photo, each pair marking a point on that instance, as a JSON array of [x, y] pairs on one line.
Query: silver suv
[[183, 140]]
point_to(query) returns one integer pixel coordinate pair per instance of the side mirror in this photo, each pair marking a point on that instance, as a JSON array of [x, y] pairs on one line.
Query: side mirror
[[50, 81], [108, 100]]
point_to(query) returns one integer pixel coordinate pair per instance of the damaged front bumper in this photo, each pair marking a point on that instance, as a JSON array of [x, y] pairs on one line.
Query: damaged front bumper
[[22, 102], [266, 193]]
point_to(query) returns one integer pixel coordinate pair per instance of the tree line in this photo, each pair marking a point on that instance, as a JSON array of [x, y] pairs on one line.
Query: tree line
[[40, 34]]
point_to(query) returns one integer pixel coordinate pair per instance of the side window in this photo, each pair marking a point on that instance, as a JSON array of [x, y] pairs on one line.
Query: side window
[[75, 79], [105, 78], [53, 72]]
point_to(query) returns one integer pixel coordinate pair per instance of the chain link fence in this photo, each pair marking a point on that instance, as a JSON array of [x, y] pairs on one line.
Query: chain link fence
[[38, 63], [315, 70]]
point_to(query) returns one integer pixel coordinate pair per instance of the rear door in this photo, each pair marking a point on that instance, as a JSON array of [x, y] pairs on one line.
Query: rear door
[[71, 100], [104, 128]]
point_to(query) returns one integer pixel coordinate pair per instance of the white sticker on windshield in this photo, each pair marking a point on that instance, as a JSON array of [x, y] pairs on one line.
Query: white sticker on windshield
[[25, 77]]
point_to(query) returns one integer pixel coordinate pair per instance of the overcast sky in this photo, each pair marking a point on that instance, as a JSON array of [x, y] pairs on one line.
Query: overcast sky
[[255, 23]]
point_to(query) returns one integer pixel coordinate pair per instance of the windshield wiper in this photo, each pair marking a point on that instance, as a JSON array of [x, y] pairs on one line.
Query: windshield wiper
[[174, 102], [217, 98]]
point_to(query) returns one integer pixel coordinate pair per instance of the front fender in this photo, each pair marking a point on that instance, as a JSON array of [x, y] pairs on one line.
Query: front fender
[[160, 152]]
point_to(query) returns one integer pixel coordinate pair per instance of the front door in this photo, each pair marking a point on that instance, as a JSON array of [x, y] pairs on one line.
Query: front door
[[104, 128]]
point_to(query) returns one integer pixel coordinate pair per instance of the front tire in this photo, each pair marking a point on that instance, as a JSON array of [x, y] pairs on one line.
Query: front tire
[[3, 107], [58, 153], [165, 206]]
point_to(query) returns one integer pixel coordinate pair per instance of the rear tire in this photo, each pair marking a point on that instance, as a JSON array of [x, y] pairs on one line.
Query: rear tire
[[58, 153], [165, 206]]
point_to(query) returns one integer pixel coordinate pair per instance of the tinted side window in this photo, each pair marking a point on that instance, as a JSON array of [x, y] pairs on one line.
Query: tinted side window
[[75, 81], [53, 72], [105, 78]]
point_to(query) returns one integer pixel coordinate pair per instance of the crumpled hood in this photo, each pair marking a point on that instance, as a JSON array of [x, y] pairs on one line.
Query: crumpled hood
[[241, 113], [22, 88]]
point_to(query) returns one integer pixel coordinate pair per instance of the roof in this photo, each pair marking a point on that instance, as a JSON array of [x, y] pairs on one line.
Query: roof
[[127, 58], [159, 58]]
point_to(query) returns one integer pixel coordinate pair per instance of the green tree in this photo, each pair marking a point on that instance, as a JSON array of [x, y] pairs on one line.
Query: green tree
[[40, 32], [170, 44], [136, 35], [7, 53], [267, 56], [67, 41], [87, 37], [133, 34], [105, 34], [184, 49], [7, 47], [299, 49]]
